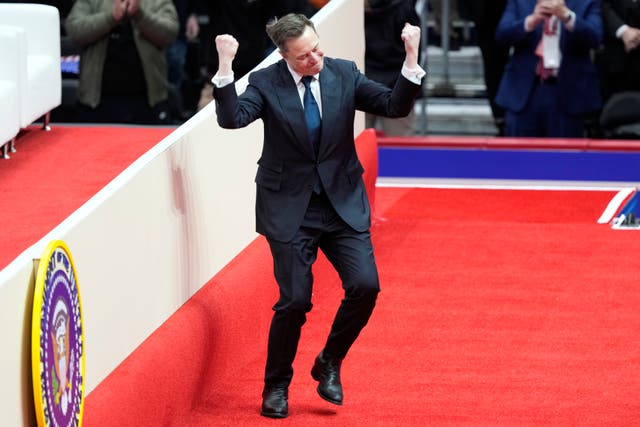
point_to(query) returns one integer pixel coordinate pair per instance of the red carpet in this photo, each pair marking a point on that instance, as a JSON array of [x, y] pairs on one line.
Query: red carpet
[[73, 164], [498, 308]]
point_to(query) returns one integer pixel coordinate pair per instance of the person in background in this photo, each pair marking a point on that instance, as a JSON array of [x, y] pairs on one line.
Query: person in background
[[310, 192], [189, 30], [485, 15], [240, 18], [550, 84], [123, 67], [177, 52], [619, 60], [385, 53]]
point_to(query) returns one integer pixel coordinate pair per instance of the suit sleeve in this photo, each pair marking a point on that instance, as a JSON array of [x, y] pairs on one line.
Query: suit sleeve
[[86, 26], [510, 30], [376, 98], [588, 27], [235, 111], [159, 23], [610, 19]]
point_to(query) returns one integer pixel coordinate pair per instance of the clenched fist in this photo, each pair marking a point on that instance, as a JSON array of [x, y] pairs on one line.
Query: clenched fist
[[227, 47], [411, 37]]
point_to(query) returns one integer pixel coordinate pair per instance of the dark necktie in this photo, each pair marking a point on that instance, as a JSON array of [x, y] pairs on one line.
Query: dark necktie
[[311, 114]]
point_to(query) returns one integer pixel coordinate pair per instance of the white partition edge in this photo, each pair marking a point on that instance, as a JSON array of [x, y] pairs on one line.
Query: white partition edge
[[151, 238]]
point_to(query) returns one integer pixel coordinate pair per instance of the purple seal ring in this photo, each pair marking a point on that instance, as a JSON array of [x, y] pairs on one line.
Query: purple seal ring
[[57, 340]]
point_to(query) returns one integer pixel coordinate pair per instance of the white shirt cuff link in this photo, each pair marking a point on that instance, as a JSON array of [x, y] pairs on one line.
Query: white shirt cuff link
[[414, 75], [621, 30], [570, 20], [221, 81]]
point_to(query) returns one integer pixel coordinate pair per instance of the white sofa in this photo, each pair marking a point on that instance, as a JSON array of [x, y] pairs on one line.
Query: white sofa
[[40, 80], [10, 38]]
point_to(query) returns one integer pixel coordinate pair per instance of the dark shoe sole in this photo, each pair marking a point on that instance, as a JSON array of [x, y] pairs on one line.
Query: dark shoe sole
[[274, 414], [328, 399], [316, 377]]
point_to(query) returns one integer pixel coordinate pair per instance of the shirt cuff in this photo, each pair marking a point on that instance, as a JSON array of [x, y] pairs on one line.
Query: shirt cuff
[[414, 75], [222, 81], [570, 22], [622, 29]]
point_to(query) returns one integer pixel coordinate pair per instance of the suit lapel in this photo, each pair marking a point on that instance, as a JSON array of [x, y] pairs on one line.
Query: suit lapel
[[287, 94]]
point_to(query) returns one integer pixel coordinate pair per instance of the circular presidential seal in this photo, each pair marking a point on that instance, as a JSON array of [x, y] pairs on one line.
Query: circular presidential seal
[[57, 340]]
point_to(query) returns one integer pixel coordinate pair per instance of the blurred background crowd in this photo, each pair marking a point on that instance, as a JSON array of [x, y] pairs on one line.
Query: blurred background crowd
[[544, 68]]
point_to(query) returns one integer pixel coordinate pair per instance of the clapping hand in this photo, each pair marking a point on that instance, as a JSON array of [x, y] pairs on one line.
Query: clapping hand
[[545, 9], [119, 9], [553, 7], [132, 7], [122, 8], [631, 39]]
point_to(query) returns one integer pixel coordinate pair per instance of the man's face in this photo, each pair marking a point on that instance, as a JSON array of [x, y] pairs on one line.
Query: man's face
[[304, 55]]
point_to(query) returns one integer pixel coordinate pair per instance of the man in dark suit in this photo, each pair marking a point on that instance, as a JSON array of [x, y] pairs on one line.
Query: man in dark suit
[[310, 192], [619, 60], [485, 15], [550, 84]]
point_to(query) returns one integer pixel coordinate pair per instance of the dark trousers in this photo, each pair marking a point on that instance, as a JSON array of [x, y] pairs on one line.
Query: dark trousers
[[351, 254], [125, 109], [494, 55], [542, 116]]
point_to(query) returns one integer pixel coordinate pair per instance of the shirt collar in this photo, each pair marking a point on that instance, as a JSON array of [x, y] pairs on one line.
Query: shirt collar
[[297, 76]]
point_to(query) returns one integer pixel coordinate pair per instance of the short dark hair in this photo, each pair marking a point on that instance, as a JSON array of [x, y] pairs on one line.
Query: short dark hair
[[291, 26]]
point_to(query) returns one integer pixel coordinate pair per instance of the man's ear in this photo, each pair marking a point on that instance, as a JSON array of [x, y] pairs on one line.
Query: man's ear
[[284, 56]]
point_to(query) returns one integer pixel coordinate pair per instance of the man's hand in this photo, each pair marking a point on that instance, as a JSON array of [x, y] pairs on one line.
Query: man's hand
[[132, 7], [539, 14], [227, 47], [411, 37], [631, 38], [554, 7], [119, 9]]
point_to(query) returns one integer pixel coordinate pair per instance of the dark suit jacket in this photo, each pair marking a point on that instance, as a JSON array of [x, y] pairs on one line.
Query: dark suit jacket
[[578, 85], [615, 13], [288, 165]]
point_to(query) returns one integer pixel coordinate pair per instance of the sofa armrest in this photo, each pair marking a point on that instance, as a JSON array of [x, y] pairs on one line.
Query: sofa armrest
[[39, 83], [11, 52], [39, 21]]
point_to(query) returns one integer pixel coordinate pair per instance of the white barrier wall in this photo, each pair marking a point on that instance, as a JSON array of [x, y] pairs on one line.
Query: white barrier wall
[[153, 236]]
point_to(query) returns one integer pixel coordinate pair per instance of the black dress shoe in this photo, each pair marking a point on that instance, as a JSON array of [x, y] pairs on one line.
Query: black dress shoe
[[274, 401], [327, 372]]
